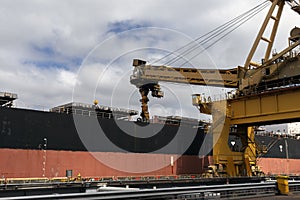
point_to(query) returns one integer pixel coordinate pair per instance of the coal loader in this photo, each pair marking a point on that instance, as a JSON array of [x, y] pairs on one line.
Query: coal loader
[[266, 93], [97, 142]]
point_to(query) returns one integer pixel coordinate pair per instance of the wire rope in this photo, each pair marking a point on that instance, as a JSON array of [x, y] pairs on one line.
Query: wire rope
[[211, 35]]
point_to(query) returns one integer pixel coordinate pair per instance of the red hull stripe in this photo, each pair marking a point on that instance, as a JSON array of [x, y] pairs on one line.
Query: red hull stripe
[[279, 166], [19, 163]]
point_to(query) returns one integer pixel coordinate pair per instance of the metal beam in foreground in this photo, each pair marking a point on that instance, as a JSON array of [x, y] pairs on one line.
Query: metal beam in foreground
[[232, 191]]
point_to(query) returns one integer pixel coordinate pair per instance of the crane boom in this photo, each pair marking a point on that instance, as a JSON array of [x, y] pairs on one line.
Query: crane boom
[[221, 78]]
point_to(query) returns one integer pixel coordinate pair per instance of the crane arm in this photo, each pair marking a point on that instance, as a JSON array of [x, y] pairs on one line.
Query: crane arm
[[146, 78], [144, 74]]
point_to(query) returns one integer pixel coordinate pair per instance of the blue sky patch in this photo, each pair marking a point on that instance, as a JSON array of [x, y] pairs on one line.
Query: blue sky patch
[[47, 57], [54, 63], [45, 63], [46, 50], [121, 26]]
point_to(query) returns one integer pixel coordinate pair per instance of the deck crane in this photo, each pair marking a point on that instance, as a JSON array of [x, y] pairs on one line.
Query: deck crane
[[265, 93]]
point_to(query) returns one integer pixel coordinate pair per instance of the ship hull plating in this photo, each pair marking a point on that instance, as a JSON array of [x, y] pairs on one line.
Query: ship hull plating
[[35, 163], [271, 166]]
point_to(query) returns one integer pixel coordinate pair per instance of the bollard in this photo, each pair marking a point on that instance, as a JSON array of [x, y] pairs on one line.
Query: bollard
[[283, 184]]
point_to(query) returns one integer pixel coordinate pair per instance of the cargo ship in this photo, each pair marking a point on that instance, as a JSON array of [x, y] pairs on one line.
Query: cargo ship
[[94, 140], [102, 141]]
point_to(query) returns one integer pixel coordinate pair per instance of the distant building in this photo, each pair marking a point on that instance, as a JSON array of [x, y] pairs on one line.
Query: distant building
[[293, 128]]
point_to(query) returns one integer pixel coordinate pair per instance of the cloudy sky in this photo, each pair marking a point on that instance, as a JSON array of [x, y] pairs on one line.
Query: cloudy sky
[[54, 52]]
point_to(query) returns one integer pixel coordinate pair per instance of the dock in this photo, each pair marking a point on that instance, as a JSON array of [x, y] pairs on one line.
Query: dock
[[199, 188]]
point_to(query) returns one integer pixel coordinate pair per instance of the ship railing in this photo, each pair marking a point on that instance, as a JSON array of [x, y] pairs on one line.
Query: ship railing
[[104, 115], [4, 181], [92, 113], [23, 180], [278, 135]]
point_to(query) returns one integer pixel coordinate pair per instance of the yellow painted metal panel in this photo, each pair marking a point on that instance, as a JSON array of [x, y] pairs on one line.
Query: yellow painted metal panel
[[289, 102], [275, 118], [237, 109], [252, 107], [268, 105]]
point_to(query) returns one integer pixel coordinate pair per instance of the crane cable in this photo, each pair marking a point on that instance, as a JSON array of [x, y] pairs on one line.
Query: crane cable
[[217, 32], [225, 31], [213, 34], [221, 37]]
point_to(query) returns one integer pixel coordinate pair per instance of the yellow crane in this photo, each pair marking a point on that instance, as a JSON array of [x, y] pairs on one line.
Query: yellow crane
[[265, 93]]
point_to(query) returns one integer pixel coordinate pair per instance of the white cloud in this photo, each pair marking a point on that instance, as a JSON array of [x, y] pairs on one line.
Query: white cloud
[[67, 78]]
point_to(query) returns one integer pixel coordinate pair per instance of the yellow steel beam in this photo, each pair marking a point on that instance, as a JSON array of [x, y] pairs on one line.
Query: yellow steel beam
[[213, 77], [266, 108], [274, 29], [262, 31]]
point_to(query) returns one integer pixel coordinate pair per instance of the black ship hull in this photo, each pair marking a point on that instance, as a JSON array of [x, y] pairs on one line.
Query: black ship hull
[[37, 143]]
